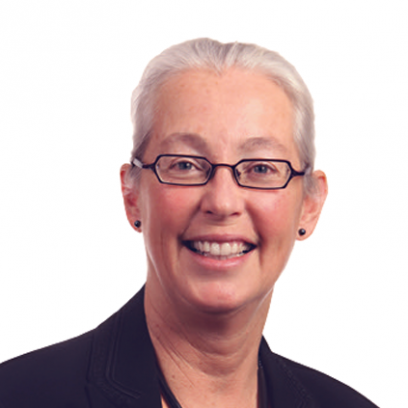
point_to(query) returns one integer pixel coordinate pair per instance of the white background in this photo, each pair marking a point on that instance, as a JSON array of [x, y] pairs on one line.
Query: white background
[[68, 257]]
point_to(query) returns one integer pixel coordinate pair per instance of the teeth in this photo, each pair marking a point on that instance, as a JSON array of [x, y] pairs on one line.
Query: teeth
[[215, 249], [224, 249]]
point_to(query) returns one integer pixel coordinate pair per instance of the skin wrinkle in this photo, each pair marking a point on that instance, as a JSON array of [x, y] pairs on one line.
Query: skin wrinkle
[[171, 350], [220, 379]]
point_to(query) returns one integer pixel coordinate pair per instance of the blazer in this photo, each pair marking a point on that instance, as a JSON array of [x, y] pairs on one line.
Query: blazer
[[114, 366]]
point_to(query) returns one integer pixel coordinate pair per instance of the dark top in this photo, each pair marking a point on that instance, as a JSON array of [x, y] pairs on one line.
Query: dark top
[[114, 366]]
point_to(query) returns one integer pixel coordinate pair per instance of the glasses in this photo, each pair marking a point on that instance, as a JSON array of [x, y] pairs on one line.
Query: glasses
[[181, 170]]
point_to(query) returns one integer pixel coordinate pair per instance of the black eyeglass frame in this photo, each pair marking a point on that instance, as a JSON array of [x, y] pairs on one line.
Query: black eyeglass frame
[[293, 173]]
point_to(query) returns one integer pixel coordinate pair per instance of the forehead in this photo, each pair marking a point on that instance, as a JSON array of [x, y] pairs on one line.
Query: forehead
[[234, 110]]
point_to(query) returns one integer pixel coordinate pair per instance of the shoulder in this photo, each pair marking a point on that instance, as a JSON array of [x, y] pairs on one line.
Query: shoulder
[[328, 391], [83, 371], [312, 387], [57, 371]]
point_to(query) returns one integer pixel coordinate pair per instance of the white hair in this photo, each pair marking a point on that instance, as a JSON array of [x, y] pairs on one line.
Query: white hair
[[204, 53]]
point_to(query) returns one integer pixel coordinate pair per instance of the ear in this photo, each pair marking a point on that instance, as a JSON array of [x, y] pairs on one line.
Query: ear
[[130, 196], [313, 204]]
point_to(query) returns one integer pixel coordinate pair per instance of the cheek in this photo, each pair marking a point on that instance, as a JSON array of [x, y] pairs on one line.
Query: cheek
[[167, 210], [276, 225], [277, 218]]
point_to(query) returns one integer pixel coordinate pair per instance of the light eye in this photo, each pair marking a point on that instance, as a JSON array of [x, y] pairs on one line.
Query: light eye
[[261, 168], [184, 165]]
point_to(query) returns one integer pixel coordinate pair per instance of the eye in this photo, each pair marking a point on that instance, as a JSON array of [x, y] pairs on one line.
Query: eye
[[261, 169], [184, 165]]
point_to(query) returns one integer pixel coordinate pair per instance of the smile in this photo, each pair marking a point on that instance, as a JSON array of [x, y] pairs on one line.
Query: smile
[[219, 250]]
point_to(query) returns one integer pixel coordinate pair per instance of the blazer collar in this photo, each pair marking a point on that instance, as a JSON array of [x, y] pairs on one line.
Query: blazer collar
[[284, 389], [122, 367], [122, 371]]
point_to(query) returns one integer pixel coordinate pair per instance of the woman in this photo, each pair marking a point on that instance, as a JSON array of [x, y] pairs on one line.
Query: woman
[[221, 184]]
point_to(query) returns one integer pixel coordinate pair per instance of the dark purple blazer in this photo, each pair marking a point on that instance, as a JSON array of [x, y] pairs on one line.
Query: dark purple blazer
[[114, 366]]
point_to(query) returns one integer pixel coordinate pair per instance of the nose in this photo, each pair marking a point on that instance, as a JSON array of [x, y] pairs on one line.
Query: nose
[[222, 197]]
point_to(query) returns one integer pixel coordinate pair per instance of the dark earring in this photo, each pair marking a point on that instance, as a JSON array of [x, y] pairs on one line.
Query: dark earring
[[137, 223], [302, 232]]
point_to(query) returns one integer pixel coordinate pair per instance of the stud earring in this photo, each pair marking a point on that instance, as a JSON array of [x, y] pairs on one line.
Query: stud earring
[[302, 232], [137, 224]]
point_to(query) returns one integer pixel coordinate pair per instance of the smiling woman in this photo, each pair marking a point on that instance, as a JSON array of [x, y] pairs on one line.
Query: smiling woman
[[225, 134]]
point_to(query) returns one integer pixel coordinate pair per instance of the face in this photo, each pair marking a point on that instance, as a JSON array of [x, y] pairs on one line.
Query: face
[[238, 115]]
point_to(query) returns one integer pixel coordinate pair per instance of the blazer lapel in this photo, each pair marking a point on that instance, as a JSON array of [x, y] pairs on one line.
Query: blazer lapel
[[122, 371], [284, 390]]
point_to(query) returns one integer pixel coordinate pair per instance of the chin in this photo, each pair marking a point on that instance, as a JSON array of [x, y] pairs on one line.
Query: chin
[[222, 298]]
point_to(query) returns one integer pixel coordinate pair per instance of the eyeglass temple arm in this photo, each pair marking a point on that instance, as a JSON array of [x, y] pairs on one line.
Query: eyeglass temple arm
[[136, 162], [298, 173]]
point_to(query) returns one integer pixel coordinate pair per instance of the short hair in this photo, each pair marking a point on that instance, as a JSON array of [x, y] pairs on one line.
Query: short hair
[[208, 54]]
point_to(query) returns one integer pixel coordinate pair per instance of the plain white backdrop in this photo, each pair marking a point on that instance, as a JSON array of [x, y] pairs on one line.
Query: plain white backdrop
[[68, 257]]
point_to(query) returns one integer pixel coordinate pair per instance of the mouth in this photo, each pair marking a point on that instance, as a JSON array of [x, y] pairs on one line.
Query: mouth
[[219, 250]]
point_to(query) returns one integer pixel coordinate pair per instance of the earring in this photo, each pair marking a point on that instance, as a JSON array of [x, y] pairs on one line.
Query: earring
[[137, 224], [302, 232]]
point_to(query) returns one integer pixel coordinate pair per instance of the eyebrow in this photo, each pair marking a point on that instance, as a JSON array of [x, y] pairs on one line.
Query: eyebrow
[[193, 140], [198, 142], [269, 142]]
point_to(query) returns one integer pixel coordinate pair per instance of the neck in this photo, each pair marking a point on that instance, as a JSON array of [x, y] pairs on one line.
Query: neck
[[203, 354]]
